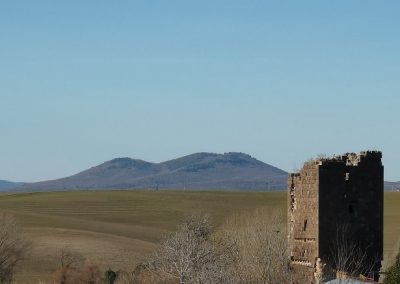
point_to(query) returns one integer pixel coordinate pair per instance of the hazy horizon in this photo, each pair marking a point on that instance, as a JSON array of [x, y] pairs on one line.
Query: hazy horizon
[[157, 162], [83, 82]]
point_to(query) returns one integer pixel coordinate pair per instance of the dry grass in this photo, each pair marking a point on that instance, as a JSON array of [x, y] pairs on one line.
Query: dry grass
[[391, 227], [116, 229]]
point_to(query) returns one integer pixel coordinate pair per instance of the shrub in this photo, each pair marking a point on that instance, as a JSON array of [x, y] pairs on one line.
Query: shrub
[[393, 272], [188, 255], [13, 247]]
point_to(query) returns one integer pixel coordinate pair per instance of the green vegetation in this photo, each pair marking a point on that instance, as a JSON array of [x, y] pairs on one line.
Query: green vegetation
[[117, 229], [393, 273]]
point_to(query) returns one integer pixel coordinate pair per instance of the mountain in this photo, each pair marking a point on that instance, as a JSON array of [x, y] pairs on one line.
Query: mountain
[[392, 185], [200, 171], [7, 185]]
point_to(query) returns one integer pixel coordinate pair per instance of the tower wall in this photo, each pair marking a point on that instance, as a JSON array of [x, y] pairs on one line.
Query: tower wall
[[351, 207], [303, 222], [330, 199]]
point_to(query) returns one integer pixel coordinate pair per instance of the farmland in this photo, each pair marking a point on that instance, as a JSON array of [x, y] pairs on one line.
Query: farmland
[[116, 229]]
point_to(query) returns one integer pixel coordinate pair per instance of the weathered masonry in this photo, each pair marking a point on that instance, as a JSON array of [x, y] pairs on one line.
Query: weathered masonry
[[334, 199]]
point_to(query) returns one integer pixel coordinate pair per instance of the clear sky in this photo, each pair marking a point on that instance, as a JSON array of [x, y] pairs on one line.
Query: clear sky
[[82, 82]]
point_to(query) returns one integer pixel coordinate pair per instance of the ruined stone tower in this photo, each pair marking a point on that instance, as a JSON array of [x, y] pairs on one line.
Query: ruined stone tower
[[330, 200]]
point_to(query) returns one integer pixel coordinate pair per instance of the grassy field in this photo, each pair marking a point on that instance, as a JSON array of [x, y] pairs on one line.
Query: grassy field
[[391, 226], [116, 229]]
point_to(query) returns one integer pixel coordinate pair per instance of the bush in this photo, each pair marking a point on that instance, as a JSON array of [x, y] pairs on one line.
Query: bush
[[249, 248], [110, 276], [393, 272], [260, 245], [188, 255], [13, 247], [72, 269]]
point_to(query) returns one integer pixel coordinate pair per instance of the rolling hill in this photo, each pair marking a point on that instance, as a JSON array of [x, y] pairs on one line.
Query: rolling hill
[[7, 185], [200, 171]]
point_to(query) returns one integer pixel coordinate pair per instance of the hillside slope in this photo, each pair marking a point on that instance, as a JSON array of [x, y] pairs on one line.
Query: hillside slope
[[7, 185], [200, 171]]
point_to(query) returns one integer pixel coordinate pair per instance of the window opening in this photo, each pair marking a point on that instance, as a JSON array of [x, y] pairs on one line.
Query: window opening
[[305, 225], [351, 209]]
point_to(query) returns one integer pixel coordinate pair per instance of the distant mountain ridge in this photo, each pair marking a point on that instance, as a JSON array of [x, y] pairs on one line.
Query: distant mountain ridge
[[392, 185], [199, 171], [7, 185]]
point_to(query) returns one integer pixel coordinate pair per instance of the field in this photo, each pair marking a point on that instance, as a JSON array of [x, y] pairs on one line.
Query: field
[[116, 229]]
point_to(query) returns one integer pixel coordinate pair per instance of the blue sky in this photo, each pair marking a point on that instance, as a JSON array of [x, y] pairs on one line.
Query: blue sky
[[82, 82]]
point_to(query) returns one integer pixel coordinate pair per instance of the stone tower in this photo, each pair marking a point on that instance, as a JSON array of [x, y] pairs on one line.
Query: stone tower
[[331, 201]]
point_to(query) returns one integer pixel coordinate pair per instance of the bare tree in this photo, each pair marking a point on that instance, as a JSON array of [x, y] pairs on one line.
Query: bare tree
[[260, 247], [347, 259], [73, 269], [188, 255], [248, 248], [90, 274], [13, 247], [69, 263], [69, 258]]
